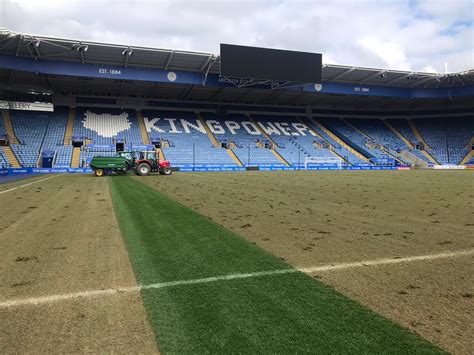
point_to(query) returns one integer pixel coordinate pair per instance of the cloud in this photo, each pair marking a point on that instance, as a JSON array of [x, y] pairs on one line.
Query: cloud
[[428, 69], [392, 53], [387, 34]]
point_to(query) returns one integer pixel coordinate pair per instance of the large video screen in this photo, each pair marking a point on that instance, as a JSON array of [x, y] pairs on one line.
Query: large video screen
[[270, 64]]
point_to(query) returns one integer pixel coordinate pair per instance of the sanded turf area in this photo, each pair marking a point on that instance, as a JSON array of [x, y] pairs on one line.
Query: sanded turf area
[[279, 313], [60, 236]]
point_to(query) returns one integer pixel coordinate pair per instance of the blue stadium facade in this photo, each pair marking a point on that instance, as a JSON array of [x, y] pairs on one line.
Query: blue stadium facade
[[107, 99]]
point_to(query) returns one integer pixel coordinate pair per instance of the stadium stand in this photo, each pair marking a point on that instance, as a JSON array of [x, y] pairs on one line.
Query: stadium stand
[[446, 137], [364, 116], [30, 129], [402, 129], [2, 128], [103, 126], [336, 147], [209, 139], [106, 127], [37, 132], [183, 139], [243, 138], [3, 159], [298, 143], [380, 135]]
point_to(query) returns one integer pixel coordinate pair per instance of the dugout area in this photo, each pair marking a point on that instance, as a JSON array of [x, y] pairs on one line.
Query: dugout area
[[216, 254]]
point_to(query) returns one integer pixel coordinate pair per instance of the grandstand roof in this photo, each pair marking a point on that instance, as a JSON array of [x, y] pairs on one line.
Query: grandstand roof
[[52, 48]]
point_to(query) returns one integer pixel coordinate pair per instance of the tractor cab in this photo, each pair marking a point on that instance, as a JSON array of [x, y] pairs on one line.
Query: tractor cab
[[149, 161], [129, 156]]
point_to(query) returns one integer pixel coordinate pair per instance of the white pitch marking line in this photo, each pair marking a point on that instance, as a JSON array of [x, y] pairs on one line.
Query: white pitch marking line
[[386, 261], [28, 184], [131, 289]]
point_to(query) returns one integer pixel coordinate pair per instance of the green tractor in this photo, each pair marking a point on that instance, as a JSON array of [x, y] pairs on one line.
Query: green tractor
[[142, 163]]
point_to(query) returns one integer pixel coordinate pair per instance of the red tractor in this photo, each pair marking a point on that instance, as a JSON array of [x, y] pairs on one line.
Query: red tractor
[[149, 161]]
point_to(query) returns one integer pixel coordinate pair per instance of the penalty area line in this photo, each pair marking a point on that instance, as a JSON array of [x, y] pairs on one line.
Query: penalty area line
[[160, 285]]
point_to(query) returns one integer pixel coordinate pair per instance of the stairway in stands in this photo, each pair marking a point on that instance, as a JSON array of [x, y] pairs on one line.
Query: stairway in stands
[[340, 141], [76, 157], [11, 157], [7, 120], [216, 143], [467, 158], [142, 126], [161, 153], [399, 134], [422, 140], [274, 144], [69, 126]]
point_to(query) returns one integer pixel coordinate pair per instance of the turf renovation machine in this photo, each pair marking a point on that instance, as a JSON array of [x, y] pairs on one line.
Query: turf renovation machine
[[141, 163]]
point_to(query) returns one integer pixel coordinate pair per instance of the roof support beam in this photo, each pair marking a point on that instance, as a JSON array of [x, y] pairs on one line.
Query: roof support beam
[[213, 97], [170, 57], [459, 76], [421, 81], [18, 45], [28, 47], [373, 75], [155, 90], [206, 63], [340, 75], [187, 92], [10, 77], [46, 81], [121, 88], [402, 76]]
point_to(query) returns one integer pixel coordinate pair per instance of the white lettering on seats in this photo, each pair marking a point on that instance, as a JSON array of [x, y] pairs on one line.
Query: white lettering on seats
[[300, 127], [172, 125], [232, 126], [215, 127], [283, 126], [150, 124], [251, 128], [198, 126], [270, 129]]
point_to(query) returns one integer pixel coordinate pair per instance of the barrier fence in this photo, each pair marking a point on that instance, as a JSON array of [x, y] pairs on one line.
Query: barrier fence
[[13, 171]]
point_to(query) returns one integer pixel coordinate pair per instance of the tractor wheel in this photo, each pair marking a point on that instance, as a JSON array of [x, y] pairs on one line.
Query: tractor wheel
[[99, 172], [166, 171], [143, 169]]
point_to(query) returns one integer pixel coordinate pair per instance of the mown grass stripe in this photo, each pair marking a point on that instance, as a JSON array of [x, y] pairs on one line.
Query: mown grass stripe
[[276, 313]]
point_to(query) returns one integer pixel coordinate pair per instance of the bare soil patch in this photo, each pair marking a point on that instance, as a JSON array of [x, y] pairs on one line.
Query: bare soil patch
[[61, 236]]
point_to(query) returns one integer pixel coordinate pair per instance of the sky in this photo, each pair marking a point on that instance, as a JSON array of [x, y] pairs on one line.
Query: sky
[[417, 35]]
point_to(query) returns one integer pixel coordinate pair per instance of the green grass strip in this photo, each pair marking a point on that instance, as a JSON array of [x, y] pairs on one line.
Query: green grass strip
[[284, 313]]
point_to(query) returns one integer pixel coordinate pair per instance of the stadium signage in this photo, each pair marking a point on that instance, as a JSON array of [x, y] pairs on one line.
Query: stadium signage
[[172, 76], [110, 71], [26, 106], [177, 126]]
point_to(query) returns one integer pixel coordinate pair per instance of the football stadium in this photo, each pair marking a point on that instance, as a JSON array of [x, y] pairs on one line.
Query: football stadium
[[253, 200]]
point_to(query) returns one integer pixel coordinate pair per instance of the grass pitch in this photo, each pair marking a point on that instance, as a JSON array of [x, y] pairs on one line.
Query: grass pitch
[[276, 313], [61, 236]]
